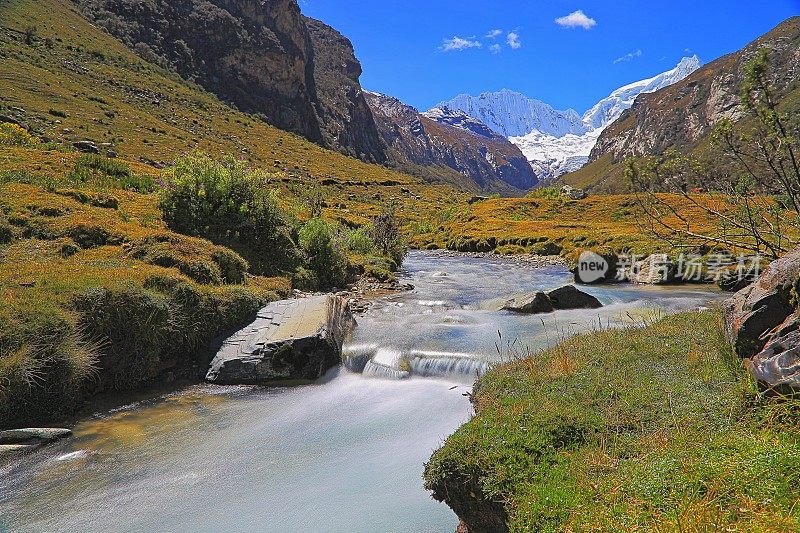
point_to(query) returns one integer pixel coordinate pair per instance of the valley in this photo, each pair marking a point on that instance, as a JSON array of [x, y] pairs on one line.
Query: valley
[[275, 298]]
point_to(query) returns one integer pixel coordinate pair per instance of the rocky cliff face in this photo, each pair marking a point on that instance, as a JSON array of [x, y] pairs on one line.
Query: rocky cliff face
[[683, 115], [346, 118], [262, 56], [476, 157]]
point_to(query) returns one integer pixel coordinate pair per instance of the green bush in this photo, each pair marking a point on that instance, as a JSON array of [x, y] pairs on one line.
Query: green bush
[[360, 241], [324, 255], [231, 205], [96, 169]]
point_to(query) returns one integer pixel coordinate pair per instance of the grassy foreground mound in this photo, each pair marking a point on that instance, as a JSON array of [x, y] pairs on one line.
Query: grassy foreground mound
[[100, 296], [645, 429]]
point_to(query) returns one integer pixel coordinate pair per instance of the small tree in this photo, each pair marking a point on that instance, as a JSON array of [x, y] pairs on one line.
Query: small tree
[[386, 234], [753, 191], [31, 34]]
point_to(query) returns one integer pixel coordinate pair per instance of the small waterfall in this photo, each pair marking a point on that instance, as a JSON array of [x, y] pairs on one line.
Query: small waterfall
[[356, 356], [444, 364], [380, 370], [388, 363]]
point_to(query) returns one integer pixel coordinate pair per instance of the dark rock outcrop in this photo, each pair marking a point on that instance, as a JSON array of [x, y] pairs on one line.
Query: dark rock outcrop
[[258, 55], [450, 147], [345, 118], [289, 340], [567, 297], [752, 313], [777, 366]]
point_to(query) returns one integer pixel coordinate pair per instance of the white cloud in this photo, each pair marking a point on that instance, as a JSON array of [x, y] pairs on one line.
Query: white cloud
[[513, 40], [494, 34], [495, 48], [629, 56], [457, 44], [576, 19]]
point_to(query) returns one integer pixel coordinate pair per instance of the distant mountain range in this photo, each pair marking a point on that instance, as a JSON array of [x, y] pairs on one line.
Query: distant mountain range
[[556, 142], [301, 75]]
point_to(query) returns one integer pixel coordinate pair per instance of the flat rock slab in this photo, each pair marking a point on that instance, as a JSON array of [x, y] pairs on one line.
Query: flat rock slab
[[289, 340], [32, 435], [567, 297]]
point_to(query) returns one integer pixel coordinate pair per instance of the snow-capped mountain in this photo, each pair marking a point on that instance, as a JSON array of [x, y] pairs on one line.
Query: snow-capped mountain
[[556, 142], [513, 114], [610, 108]]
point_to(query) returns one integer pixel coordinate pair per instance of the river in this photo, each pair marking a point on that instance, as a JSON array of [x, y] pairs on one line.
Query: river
[[343, 455]]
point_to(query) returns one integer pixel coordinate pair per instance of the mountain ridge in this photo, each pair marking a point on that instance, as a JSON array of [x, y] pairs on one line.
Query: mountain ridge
[[683, 115], [559, 141], [450, 148]]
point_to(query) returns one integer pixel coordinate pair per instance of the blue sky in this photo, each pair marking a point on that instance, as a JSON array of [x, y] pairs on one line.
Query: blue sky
[[427, 51]]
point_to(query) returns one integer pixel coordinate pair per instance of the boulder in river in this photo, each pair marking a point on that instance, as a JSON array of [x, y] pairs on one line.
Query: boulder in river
[[567, 297], [289, 340]]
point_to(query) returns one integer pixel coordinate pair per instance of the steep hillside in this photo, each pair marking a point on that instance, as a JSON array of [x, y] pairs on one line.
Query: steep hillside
[[260, 56], [450, 147], [74, 82], [683, 115], [346, 118]]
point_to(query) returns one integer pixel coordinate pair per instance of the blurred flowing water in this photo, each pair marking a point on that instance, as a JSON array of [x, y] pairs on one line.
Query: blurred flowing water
[[343, 455]]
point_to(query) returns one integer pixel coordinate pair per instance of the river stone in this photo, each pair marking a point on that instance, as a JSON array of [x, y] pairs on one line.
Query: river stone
[[33, 435], [777, 367], [653, 270], [569, 297], [289, 340], [752, 313], [531, 303]]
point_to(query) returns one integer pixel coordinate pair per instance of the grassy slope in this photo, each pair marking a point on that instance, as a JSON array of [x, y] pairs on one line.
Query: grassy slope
[[111, 96], [99, 296], [146, 114], [649, 429], [530, 224]]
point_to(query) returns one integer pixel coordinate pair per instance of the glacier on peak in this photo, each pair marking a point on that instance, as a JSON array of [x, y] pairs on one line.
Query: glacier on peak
[[512, 114], [610, 108], [556, 142]]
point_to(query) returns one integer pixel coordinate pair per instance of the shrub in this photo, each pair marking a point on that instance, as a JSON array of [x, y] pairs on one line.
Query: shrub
[[231, 205], [360, 241], [552, 193], [386, 234], [14, 135], [232, 266], [323, 254]]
